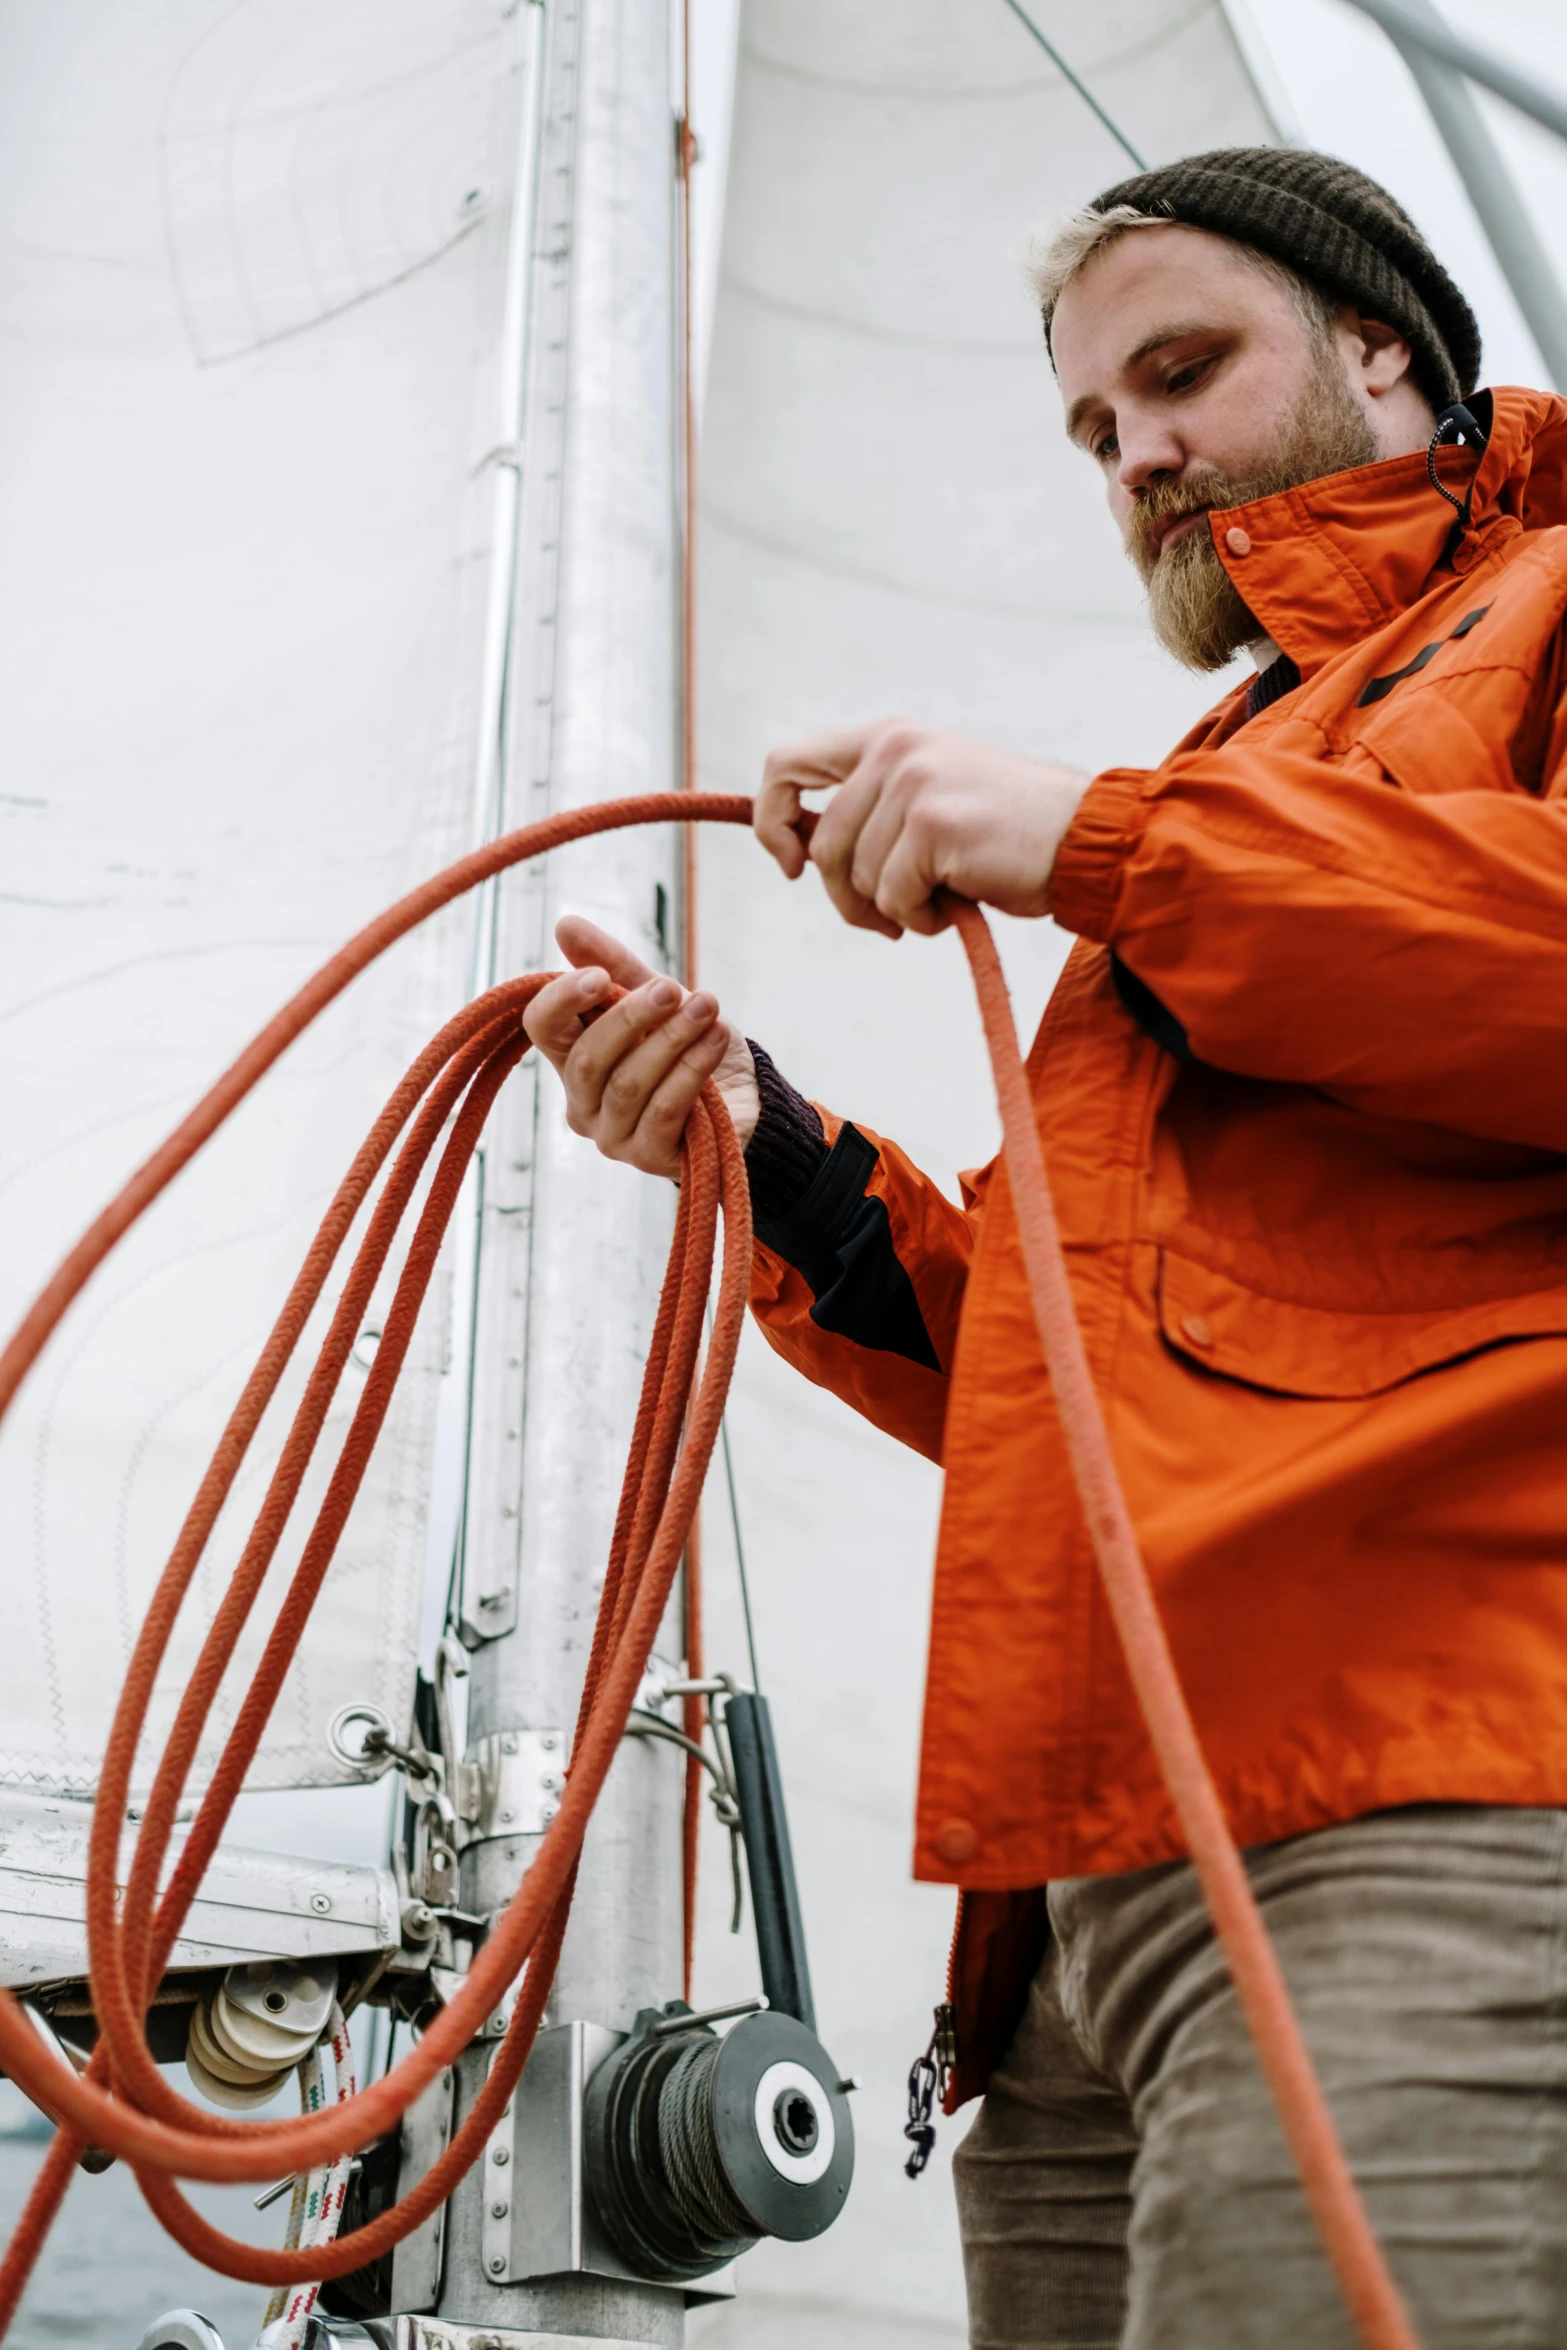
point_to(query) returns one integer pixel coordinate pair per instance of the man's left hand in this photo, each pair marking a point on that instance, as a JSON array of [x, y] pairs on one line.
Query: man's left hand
[[916, 812]]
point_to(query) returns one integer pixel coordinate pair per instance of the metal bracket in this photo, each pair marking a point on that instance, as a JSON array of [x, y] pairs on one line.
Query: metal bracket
[[416, 2261], [512, 1785], [493, 1615], [499, 2187], [252, 1905], [538, 2219]]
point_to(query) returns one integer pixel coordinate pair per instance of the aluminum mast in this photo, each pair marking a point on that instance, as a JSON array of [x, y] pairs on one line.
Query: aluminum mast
[[561, 1326]]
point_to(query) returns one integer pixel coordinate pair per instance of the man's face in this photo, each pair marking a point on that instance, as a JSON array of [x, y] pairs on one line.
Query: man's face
[[1194, 381]]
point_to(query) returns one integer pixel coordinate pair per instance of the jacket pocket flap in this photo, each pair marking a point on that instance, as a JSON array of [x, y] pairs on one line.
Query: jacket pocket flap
[[1311, 1350]]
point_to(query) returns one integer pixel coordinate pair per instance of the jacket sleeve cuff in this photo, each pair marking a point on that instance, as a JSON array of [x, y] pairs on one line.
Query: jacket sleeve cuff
[[1085, 882], [788, 1146]]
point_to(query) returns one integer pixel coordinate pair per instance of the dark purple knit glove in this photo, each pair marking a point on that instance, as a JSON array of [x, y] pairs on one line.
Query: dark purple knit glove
[[788, 1145]]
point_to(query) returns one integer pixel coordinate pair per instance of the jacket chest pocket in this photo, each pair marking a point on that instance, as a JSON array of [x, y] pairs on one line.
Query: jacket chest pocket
[[1305, 1350]]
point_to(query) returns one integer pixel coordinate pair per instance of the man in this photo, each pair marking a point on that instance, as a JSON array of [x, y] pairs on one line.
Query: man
[[1305, 1117]]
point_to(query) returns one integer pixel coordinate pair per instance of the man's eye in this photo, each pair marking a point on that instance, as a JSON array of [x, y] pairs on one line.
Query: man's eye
[[1105, 448], [1184, 378]]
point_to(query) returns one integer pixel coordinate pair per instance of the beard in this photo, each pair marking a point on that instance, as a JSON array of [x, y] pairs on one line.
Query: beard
[[1197, 611]]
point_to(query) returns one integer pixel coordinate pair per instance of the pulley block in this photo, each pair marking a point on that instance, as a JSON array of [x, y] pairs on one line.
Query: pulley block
[[248, 2035]]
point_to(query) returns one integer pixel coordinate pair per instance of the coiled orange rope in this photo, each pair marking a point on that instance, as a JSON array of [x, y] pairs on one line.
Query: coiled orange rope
[[123, 2103]]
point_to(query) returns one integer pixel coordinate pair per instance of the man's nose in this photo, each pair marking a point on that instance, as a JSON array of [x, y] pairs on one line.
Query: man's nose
[[1148, 454]]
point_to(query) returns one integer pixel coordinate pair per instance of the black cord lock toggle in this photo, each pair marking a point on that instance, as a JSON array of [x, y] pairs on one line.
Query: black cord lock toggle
[[1459, 423]]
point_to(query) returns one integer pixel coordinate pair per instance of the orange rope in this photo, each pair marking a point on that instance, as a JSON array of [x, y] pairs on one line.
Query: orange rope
[[693, 1709], [687, 159], [1373, 2298], [123, 2102]]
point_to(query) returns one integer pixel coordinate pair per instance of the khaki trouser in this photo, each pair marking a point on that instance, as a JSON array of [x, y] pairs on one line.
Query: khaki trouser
[[1126, 2185]]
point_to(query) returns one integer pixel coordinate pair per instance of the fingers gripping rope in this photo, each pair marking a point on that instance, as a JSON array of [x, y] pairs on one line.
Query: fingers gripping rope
[[122, 2102]]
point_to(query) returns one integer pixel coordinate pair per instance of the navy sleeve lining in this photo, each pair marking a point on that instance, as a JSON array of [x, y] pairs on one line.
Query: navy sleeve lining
[[1153, 1018]]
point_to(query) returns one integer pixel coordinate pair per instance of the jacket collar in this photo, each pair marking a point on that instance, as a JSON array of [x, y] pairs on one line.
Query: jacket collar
[[1338, 558]]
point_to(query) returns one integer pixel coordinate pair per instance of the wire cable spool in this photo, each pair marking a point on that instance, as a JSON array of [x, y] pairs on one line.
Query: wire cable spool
[[696, 2147]]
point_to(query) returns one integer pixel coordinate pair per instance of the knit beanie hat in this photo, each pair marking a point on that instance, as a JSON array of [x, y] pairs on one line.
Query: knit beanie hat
[[1334, 226]]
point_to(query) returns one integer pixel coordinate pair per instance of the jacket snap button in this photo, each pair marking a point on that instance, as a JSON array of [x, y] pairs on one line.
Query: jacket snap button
[[1197, 1328], [1237, 541], [956, 1842]]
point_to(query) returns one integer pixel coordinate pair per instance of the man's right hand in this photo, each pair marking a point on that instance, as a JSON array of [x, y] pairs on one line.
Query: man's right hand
[[633, 1074]]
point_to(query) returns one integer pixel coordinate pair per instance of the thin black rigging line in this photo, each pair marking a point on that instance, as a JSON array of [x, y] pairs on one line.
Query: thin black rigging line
[[1082, 89], [734, 1520]]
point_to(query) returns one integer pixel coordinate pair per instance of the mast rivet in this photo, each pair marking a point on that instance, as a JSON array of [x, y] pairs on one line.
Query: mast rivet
[[497, 2263], [321, 1903]]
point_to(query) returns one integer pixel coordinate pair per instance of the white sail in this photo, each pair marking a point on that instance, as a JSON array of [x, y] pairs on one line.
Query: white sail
[[252, 280], [892, 522]]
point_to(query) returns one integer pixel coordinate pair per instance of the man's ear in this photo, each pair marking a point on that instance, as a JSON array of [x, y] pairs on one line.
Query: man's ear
[[1385, 358]]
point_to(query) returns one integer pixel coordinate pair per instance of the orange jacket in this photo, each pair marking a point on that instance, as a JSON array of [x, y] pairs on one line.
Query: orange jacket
[[1320, 1261]]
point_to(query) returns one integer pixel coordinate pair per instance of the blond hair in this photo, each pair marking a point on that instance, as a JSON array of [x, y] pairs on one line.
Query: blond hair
[[1054, 256]]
